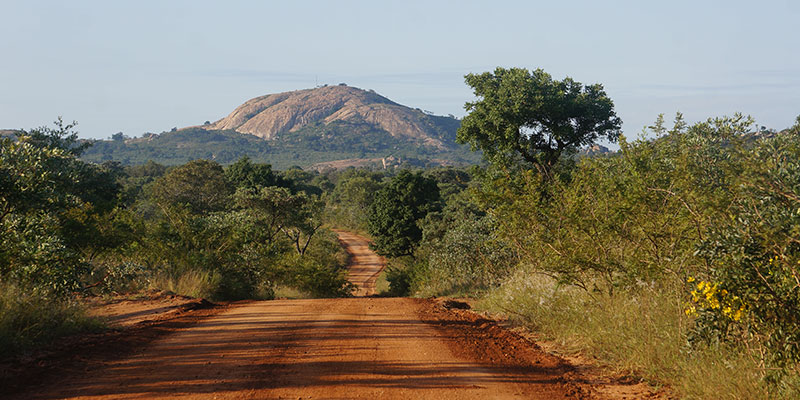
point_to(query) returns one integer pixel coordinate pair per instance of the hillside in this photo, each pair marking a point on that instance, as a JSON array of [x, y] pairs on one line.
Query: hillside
[[304, 128], [272, 115]]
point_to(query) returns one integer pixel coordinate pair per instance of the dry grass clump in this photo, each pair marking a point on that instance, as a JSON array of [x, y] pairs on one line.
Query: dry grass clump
[[193, 283], [32, 317]]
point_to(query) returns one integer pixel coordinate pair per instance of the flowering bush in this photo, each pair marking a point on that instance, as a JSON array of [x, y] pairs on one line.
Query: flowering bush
[[708, 297], [755, 251]]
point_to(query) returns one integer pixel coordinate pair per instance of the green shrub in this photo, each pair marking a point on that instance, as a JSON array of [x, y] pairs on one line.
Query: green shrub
[[318, 279], [400, 279], [469, 258], [396, 209], [754, 255], [321, 271], [33, 254]]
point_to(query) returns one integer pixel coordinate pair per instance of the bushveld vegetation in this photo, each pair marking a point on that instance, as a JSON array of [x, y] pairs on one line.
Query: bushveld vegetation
[[675, 259], [71, 228]]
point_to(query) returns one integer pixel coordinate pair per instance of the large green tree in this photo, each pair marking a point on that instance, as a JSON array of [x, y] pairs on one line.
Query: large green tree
[[396, 209], [274, 209], [529, 115], [244, 173], [199, 185]]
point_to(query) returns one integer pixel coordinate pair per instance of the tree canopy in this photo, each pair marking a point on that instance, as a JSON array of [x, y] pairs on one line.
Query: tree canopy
[[395, 210], [63, 137], [530, 115], [200, 185], [245, 173]]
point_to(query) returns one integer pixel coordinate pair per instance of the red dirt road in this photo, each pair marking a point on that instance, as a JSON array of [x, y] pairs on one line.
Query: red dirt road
[[367, 348], [365, 265]]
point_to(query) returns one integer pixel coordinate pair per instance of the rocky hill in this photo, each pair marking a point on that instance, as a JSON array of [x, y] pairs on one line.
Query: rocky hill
[[274, 115], [322, 127]]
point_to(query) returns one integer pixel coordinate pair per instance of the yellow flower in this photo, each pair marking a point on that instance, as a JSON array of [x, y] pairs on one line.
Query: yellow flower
[[714, 303]]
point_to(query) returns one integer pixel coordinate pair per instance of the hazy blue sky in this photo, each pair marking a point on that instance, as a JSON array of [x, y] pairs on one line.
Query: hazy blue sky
[[142, 66]]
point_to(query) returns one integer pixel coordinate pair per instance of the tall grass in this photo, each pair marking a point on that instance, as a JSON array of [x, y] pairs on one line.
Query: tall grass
[[637, 332], [192, 283], [30, 318]]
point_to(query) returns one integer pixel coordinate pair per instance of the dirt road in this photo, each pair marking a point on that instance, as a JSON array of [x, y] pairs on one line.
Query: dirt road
[[368, 348], [365, 265]]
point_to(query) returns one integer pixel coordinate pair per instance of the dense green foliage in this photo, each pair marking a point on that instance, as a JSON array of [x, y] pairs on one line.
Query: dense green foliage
[[753, 252], [244, 228], [244, 173], [52, 206], [199, 185], [70, 228], [396, 209], [349, 202], [528, 115]]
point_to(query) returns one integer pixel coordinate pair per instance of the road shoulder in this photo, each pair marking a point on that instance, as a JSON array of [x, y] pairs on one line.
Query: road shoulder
[[147, 319]]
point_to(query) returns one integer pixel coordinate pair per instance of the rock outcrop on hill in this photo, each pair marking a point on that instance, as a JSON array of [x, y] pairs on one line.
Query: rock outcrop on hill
[[8, 132], [275, 114]]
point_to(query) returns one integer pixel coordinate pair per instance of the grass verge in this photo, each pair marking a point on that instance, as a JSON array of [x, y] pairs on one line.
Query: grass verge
[[290, 293], [192, 283], [32, 318], [640, 332]]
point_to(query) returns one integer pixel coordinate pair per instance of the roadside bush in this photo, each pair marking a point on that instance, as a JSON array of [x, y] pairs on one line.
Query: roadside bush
[[469, 258], [321, 271], [400, 277], [33, 254], [50, 206], [219, 255], [630, 218], [754, 286], [318, 279]]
